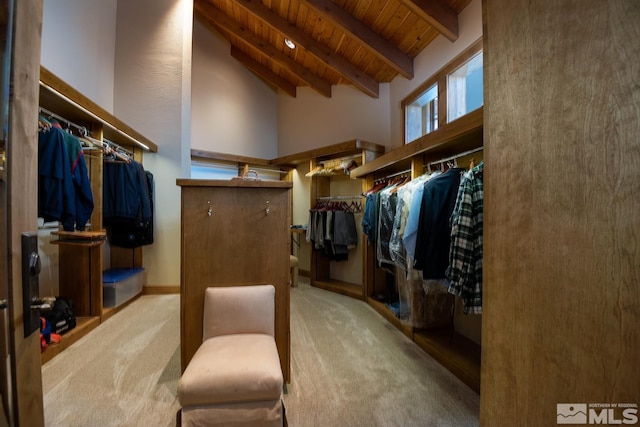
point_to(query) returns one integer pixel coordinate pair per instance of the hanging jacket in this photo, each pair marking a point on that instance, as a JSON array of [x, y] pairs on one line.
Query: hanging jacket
[[56, 195], [128, 204], [83, 197], [126, 194], [434, 229]]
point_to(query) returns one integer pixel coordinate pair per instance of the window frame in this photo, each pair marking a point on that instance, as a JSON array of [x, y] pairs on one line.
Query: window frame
[[439, 78]]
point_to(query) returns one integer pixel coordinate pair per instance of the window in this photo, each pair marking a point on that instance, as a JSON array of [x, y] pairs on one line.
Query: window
[[464, 88], [421, 116], [454, 91], [225, 171]]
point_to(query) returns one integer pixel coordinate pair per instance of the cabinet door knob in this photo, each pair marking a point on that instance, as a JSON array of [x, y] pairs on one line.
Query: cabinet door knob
[[210, 210], [267, 210]]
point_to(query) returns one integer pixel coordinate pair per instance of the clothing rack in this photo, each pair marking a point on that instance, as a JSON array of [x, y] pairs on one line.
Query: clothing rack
[[106, 145], [455, 156], [51, 115], [393, 175], [330, 198]]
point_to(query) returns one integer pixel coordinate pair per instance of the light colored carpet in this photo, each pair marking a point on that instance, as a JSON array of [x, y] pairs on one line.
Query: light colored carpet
[[123, 373], [350, 367]]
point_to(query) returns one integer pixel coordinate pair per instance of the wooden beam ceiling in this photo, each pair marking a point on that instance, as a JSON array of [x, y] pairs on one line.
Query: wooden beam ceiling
[[217, 18], [377, 45], [349, 71], [361, 43], [438, 14]]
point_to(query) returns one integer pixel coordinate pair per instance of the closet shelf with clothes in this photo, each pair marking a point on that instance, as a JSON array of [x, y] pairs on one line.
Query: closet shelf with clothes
[[94, 139], [423, 227], [335, 214]]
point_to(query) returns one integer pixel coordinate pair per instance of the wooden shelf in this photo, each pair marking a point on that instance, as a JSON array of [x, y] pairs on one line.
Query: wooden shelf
[[340, 287], [84, 325], [342, 149], [462, 134], [60, 98], [455, 352], [81, 238], [452, 350], [384, 311]]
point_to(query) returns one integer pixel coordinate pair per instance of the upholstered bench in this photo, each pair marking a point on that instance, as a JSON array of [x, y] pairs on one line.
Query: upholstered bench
[[234, 378]]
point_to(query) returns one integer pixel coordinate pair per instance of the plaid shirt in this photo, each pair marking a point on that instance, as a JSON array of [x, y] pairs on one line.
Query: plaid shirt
[[465, 255]]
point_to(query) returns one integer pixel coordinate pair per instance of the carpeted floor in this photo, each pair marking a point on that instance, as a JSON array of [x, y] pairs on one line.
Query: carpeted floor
[[350, 367]]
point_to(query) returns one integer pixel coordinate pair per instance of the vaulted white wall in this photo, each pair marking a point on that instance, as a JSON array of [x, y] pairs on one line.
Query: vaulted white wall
[[79, 43], [233, 111], [152, 93]]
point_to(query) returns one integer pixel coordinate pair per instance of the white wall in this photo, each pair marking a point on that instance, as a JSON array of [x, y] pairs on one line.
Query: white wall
[[152, 88], [78, 45], [233, 111], [311, 120], [81, 53]]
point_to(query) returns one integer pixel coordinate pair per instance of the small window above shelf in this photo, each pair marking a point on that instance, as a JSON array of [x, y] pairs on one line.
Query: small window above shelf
[[460, 135]]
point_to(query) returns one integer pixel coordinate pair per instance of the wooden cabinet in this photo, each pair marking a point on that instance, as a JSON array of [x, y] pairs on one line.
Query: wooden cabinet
[[233, 233]]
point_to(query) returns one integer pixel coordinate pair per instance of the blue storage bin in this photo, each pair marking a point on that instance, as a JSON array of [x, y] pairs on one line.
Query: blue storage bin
[[119, 285]]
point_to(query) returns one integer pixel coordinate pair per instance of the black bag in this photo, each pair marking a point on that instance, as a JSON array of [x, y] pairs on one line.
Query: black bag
[[61, 317]]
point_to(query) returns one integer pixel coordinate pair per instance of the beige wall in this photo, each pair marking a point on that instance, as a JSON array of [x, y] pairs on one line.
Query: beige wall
[[233, 111], [152, 94]]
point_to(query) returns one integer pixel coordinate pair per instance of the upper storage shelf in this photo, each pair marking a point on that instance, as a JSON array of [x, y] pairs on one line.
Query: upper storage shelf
[[460, 135], [60, 98], [354, 147]]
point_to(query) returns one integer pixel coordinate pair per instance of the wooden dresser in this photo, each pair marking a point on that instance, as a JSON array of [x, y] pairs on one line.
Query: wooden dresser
[[233, 233]]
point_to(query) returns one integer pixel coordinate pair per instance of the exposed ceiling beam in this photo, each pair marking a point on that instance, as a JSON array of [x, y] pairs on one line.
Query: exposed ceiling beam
[[214, 16], [262, 71], [438, 14], [377, 45], [348, 70]]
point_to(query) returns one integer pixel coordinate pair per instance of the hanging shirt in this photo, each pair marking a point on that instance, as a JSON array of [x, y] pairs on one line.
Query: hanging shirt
[[411, 228], [434, 230], [465, 256], [386, 214], [370, 217]]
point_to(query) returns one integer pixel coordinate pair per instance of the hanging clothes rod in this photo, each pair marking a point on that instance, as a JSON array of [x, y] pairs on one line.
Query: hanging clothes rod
[[50, 114], [357, 197], [84, 132], [393, 175], [455, 156], [117, 147]]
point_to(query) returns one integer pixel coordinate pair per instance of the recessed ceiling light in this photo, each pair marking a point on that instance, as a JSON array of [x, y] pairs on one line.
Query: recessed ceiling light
[[290, 44]]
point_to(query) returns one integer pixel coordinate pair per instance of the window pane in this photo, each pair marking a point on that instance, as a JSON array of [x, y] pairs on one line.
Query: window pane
[[212, 171], [464, 88], [421, 116]]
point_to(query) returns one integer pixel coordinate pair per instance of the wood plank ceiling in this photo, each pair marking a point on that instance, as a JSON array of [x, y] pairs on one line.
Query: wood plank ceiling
[[341, 42]]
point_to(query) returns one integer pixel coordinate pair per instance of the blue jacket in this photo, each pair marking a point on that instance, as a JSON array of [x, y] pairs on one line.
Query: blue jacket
[[81, 184], [125, 191], [56, 196]]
